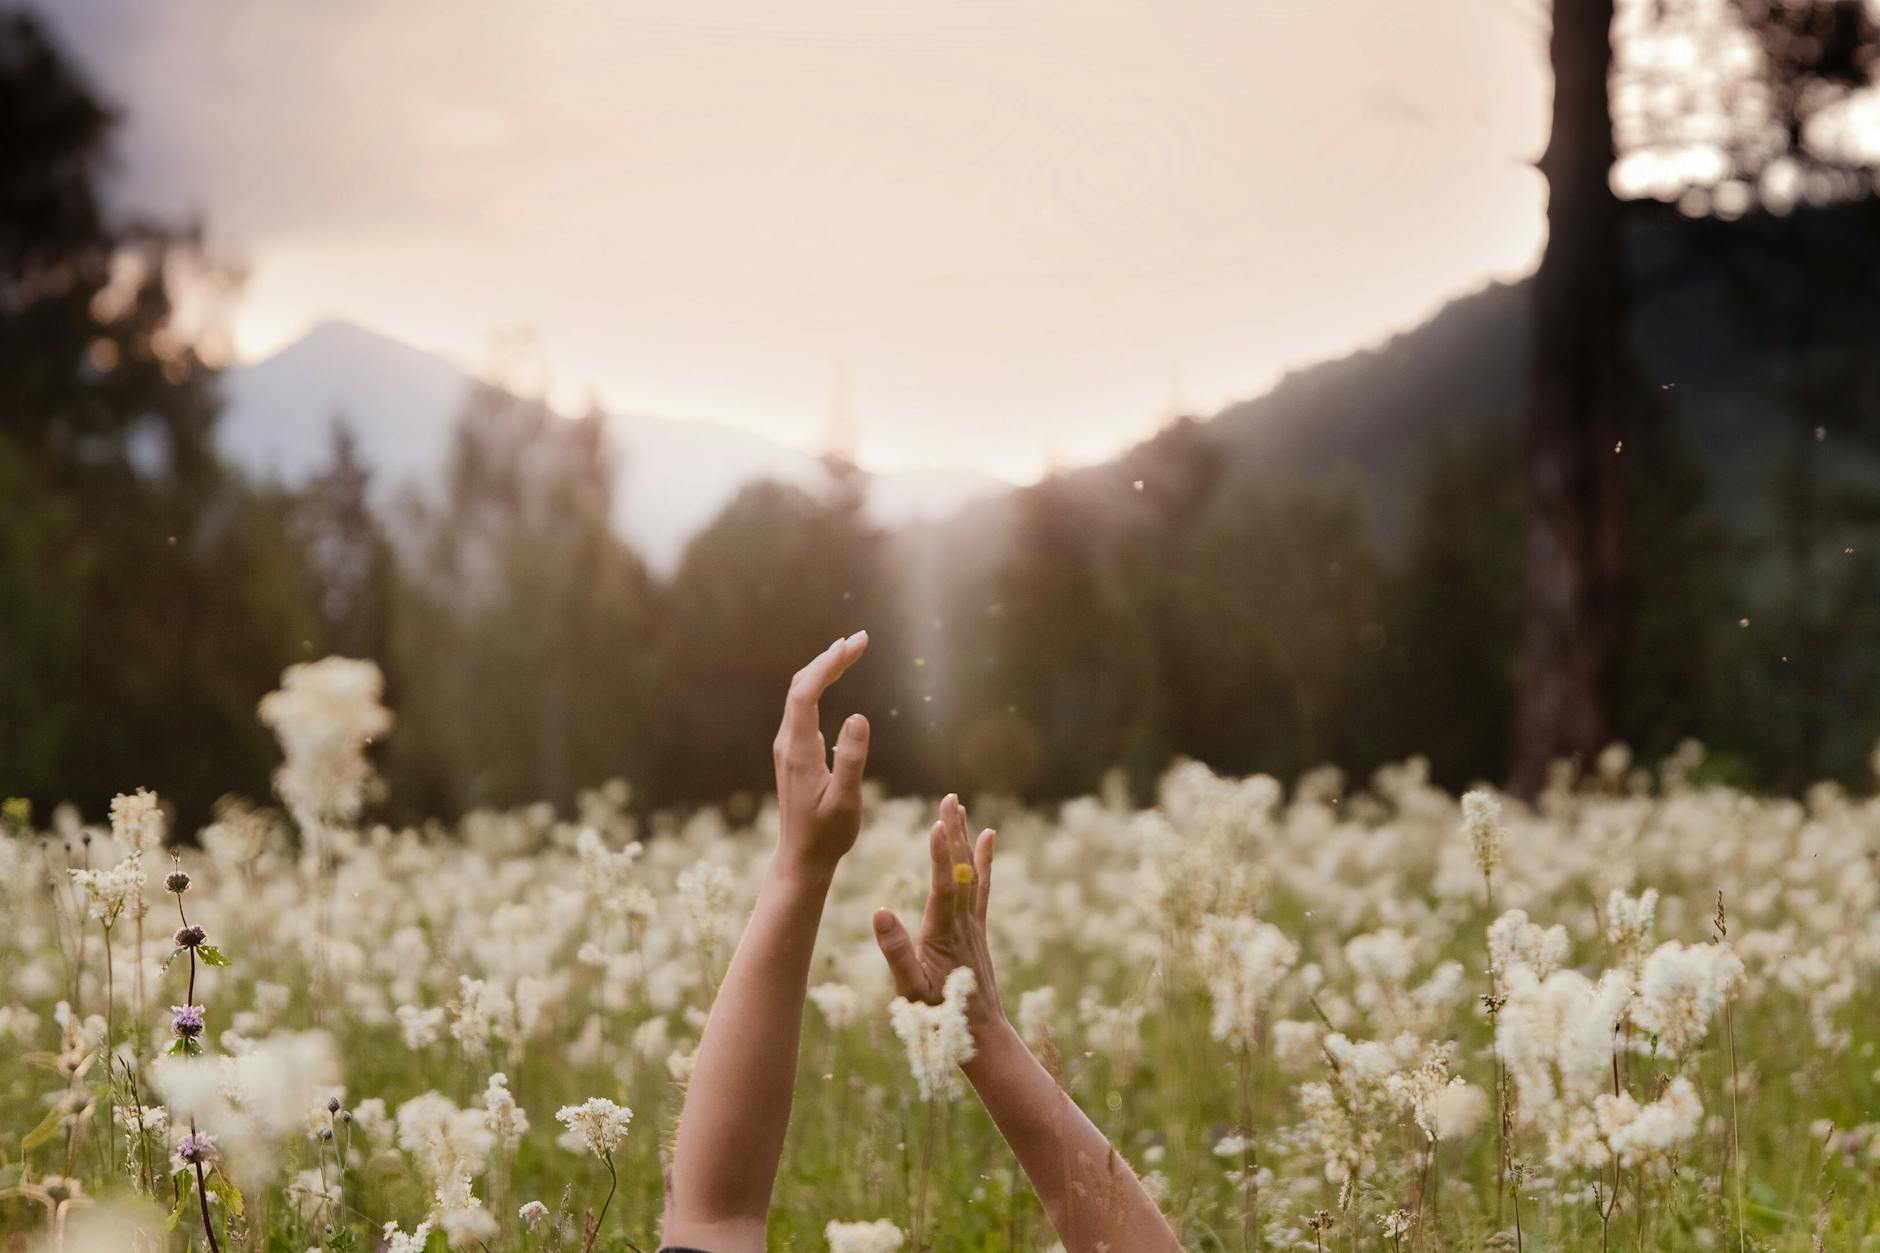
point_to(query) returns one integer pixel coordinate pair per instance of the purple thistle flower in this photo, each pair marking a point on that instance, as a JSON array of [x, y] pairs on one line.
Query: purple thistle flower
[[196, 1147], [187, 1021], [189, 937]]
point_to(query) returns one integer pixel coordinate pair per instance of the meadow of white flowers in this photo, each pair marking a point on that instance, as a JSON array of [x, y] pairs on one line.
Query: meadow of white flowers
[[1641, 1013]]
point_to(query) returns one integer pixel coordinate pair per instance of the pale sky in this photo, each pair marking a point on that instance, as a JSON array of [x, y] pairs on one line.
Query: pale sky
[[1018, 224]]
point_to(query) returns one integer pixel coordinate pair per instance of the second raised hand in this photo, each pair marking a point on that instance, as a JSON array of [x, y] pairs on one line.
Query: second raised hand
[[820, 806], [953, 929]]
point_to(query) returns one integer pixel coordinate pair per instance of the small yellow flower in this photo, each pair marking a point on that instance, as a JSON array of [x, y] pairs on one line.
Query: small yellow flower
[[962, 873]]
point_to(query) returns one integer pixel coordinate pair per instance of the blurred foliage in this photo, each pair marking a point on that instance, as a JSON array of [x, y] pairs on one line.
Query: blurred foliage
[[1329, 573]]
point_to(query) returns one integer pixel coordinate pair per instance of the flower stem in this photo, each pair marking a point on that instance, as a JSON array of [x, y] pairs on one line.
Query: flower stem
[[926, 1168], [1736, 1135], [202, 1196], [613, 1181]]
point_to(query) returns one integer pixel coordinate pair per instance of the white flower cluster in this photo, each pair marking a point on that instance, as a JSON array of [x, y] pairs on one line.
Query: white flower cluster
[[597, 1124], [325, 714], [113, 892], [452, 1148], [880, 1236], [937, 1037], [1482, 824], [399, 1241], [706, 897], [838, 1003], [1680, 990], [1514, 941], [1241, 960], [1327, 943]]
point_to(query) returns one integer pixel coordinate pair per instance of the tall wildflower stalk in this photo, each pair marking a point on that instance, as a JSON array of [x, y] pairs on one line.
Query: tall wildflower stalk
[[112, 893], [187, 1023], [601, 1127], [1482, 823], [326, 714], [1722, 923], [938, 1042]]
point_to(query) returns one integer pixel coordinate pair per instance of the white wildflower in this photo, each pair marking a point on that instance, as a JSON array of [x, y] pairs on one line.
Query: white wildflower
[[705, 900], [877, 1237], [1458, 1109], [1241, 960], [839, 1004], [1513, 940], [937, 1037], [880, 1236], [596, 1124], [1482, 823], [137, 821], [420, 1027], [508, 1121], [325, 714], [1036, 1008], [396, 1241], [1638, 1133], [483, 1010], [1629, 924], [1681, 989], [110, 893]]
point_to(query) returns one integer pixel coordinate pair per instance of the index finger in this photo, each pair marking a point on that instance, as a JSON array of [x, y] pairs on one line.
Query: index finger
[[800, 715]]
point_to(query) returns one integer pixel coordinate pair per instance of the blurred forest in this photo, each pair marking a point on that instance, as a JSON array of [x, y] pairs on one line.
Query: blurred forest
[[1342, 571]]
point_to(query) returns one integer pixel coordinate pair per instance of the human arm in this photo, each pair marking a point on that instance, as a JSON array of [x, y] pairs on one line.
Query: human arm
[[1092, 1197], [737, 1106]]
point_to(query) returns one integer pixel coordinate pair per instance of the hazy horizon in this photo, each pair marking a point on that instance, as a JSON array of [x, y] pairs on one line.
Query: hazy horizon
[[1020, 236]]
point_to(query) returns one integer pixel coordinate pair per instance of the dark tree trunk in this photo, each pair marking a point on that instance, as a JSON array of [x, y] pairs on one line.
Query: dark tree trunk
[[1575, 541]]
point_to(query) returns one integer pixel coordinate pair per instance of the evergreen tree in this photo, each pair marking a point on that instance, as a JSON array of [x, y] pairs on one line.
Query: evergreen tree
[[778, 575], [524, 626], [135, 644]]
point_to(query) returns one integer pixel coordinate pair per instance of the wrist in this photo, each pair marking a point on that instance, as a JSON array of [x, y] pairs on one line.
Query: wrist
[[799, 873], [996, 1044]]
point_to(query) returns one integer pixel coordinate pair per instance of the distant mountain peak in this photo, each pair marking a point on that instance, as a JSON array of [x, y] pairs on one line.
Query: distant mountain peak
[[403, 403]]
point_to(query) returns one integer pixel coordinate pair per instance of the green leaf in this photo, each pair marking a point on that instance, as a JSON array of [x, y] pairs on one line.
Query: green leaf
[[185, 1046], [43, 1132], [182, 1181], [224, 1187], [174, 954], [211, 955]]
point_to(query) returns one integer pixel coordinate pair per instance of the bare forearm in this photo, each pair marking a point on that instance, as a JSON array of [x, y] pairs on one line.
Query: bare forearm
[[737, 1107], [1092, 1197]]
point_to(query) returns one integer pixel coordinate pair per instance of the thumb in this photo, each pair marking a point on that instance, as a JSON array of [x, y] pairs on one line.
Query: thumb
[[845, 787], [898, 950]]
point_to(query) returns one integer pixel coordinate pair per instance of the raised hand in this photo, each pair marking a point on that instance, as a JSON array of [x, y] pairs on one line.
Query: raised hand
[[1094, 1200], [821, 807], [953, 930], [737, 1107]]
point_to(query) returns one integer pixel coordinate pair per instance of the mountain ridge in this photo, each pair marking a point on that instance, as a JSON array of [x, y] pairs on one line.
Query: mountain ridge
[[402, 403]]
